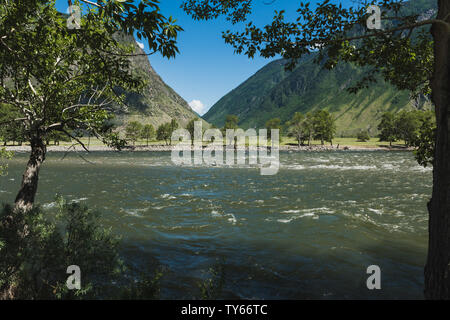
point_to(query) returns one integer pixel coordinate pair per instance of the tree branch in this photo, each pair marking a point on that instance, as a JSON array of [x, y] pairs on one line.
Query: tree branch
[[75, 138]]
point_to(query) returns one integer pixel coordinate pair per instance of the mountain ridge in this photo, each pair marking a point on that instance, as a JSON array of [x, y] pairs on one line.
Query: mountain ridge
[[158, 103], [272, 92]]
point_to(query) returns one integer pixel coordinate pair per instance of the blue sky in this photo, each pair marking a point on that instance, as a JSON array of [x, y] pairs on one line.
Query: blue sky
[[206, 68]]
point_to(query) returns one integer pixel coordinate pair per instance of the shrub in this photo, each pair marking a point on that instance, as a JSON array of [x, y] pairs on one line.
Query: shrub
[[211, 288], [363, 136], [35, 253]]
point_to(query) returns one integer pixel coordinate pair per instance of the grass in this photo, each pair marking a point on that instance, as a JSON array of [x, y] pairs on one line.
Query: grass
[[372, 143]]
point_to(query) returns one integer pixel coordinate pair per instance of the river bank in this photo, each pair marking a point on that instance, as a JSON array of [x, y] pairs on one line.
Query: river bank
[[165, 148]]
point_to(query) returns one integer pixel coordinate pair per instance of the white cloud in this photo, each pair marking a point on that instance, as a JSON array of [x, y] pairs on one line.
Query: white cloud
[[197, 106], [140, 44]]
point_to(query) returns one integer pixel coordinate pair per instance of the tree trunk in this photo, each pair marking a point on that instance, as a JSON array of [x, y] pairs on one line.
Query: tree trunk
[[437, 269], [27, 192]]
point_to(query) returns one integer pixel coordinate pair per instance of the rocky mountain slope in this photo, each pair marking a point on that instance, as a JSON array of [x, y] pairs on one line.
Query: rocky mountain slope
[[158, 102]]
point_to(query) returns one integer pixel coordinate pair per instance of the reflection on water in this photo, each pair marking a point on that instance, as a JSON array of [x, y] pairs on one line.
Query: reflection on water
[[310, 231]]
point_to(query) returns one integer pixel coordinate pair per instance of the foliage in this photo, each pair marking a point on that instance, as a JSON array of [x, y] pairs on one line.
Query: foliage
[[35, 253], [387, 128], [163, 133], [363, 136], [212, 287], [71, 82], [148, 132], [300, 127], [407, 124], [173, 125], [334, 36], [273, 124], [10, 131], [339, 33], [417, 128], [425, 139], [190, 127], [133, 131], [324, 126], [4, 155], [146, 286], [231, 122]]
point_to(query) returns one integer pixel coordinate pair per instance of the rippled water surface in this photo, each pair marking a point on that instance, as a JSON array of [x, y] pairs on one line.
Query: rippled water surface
[[310, 231]]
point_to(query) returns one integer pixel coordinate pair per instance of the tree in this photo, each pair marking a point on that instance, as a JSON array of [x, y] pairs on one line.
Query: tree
[[191, 128], [148, 132], [324, 126], [64, 80], [133, 131], [272, 124], [404, 52], [363, 136], [300, 127], [173, 126], [387, 128], [425, 138], [163, 133], [407, 124], [231, 122]]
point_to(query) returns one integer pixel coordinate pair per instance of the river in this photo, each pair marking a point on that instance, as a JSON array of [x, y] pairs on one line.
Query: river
[[309, 231]]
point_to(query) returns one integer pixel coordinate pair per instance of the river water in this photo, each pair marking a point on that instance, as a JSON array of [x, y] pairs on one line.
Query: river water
[[309, 231]]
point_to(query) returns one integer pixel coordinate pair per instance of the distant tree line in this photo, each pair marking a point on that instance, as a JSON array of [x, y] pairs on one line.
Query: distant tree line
[[416, 128], [134, 131], [405, 125], [317, 125]]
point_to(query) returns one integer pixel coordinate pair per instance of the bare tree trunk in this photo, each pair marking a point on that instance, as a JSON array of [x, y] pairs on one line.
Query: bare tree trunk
[[437, 269], [27, 192]]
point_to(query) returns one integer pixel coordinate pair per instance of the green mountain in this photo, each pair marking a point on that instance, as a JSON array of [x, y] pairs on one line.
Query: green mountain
[[158, 102], [275, 93]]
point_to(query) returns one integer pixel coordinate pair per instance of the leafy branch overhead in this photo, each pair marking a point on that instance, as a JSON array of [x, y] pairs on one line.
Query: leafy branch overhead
[[402, 51], [71, 83], [55, 80], [145, 20]]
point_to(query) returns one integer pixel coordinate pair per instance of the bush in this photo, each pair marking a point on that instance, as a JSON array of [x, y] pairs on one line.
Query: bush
[[212, 287], [363, 136], [145, 287], [35, 254]]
